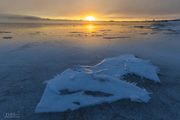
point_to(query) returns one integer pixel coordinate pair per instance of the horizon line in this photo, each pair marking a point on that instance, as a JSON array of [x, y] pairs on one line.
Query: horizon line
[[125, 19]]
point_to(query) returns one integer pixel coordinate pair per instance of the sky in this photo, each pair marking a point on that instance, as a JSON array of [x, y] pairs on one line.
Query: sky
[[102, 9]]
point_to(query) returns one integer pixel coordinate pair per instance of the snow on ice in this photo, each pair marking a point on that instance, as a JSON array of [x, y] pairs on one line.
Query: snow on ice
[[103, 83]]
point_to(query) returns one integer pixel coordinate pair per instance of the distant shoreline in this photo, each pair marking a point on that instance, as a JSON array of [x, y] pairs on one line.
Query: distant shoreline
[[76, 21], [10, 18]]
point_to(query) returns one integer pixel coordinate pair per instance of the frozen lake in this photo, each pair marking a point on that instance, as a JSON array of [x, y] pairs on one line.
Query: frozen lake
[[30, 54]]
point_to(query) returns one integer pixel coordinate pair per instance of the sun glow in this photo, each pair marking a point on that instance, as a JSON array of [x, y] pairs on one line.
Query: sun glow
[[90, 18]]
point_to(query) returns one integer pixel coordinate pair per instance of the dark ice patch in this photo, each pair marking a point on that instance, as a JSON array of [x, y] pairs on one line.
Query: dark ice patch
[[115, 37], [7, 37], [76, 32], [68, 92], [97, 94], [5, 32], [144, 33], [77, 103]]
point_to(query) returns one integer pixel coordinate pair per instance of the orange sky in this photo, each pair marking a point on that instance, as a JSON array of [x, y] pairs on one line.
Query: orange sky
[[101, 9]]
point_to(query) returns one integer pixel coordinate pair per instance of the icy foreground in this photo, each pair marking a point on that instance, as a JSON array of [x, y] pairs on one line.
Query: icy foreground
[[89, 85]]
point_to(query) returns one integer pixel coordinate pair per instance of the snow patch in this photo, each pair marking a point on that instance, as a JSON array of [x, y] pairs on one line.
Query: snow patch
[[89, 85]]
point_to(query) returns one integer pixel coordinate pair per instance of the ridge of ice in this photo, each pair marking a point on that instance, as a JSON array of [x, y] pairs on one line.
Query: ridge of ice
[[90, 85], [125, 64]]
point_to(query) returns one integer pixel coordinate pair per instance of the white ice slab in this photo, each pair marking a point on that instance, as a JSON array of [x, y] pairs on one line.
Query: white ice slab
[[90, 85]]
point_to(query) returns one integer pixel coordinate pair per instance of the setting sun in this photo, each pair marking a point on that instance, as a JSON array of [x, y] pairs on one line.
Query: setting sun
[[90, 18]]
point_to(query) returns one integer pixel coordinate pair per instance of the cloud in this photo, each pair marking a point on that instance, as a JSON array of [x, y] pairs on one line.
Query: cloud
[[103, 7]]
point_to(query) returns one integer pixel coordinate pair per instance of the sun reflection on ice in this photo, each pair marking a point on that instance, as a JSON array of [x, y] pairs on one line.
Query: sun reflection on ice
[[90, 28]]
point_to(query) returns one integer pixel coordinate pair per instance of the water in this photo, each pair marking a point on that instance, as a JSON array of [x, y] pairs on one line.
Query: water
[[45, 40]]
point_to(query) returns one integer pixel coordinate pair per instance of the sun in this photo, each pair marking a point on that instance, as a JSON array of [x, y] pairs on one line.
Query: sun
[[90, 18]]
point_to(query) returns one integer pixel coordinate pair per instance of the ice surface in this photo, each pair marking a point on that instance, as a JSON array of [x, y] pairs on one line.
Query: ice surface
[[89, 85]]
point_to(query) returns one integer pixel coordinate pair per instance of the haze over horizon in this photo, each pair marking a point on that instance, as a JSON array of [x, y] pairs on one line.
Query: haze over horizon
[[101, 9]]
